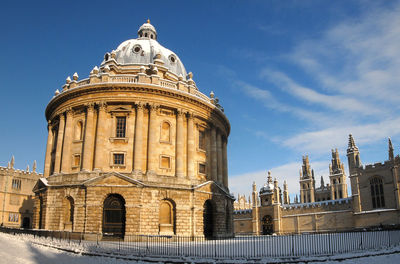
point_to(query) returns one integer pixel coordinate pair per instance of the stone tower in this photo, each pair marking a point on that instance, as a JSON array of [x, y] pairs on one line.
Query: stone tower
[[337, 177], [307, 183], [354, 161]]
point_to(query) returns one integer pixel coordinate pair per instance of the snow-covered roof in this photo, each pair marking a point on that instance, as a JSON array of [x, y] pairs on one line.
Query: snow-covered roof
[[144, 50]]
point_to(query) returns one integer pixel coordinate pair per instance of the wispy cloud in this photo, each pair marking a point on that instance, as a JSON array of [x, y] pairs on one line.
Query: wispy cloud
[[354, 68]]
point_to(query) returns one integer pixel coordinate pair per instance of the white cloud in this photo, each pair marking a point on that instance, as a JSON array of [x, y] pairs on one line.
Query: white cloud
[[320, 141], [358, 57], [333, 102]]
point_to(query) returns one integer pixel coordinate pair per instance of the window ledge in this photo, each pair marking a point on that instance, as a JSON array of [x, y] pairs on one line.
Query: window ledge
[[78, 141], [122, 166], [201, 150], [166, 142], [118, 139]]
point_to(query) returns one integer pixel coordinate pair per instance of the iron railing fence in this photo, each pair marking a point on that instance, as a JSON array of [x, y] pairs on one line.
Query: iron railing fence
[[247, 247]]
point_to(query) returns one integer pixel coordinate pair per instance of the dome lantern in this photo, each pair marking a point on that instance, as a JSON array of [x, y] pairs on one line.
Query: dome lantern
[[148, 31]]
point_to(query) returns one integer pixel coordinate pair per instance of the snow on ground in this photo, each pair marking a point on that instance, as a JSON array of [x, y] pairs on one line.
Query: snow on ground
[[18, 251], [26, 250]]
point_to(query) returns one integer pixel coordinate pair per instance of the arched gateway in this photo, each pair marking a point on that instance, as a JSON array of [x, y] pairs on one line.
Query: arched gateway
[[267, 225], [114, 216], [208, 219]]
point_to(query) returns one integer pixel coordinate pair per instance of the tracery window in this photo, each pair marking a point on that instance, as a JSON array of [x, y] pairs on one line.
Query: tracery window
[[16, 184], [378, 199], [121, 127]]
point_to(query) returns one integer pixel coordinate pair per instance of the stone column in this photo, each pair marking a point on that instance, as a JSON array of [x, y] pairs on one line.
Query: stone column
[[88, 147], [179, 144], [219, 157], [49, 148], [225, 161], [190, 147], [214, 158], [66, 157], [152, 159], [60, 140], [100, 155], [137, 163]]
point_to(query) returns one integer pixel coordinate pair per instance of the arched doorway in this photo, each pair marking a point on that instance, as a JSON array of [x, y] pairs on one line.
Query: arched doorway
[[208, 219], [41, 213], [26, 222], [114, 216], [267, 225]]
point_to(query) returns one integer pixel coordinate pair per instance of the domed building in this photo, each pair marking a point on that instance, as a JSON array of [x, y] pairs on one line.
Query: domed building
[[135, 148]]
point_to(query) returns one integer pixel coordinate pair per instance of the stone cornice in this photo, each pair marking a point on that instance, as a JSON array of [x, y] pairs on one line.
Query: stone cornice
[[96, 88]]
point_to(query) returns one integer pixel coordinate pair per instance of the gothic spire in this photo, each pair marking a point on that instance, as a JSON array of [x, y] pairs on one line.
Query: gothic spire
[[391, 154], [352, 145], [269, 178]]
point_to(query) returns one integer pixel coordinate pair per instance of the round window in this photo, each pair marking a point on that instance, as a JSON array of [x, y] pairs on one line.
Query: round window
[[172, 58], [136, 48]]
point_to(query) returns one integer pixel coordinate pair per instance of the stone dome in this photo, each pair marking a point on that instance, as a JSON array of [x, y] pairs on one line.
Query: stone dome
[[145, 50]]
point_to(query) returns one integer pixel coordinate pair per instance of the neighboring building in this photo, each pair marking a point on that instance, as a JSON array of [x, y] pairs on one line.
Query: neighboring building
[[136, 148], [16, 196], [375, 199]]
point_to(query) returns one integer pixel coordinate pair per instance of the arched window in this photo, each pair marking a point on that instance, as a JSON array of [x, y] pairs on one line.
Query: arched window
[[378, 200], [208, 219], [167, 217], [165, 134], [79, 130]]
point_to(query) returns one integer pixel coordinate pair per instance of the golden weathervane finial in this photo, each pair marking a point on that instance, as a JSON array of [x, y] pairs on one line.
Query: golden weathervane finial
[[148, 21]]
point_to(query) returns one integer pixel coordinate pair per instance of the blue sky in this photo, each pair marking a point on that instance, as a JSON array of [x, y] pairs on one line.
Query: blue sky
[[294, 77]]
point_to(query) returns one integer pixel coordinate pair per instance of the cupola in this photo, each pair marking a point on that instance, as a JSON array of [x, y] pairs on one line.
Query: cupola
[[147, 30]]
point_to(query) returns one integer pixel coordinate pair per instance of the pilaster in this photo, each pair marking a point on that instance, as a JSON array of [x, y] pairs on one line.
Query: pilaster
[[66, 159], [49, 148], [137, 163], [190, 146], [179, 143], [100, 137], [152, 159], [60, 140], [214, 159], [88, 147], [219, 158]]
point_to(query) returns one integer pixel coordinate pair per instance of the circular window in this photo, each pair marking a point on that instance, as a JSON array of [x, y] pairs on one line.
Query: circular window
[[136, 48], [172, 58]]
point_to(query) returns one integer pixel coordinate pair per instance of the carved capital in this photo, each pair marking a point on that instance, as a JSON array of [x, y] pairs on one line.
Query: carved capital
[[190, 115], [102, 105], [180, 112], [154, 107], [62, 117], [69, 111], [139, 105], [90, 107]]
